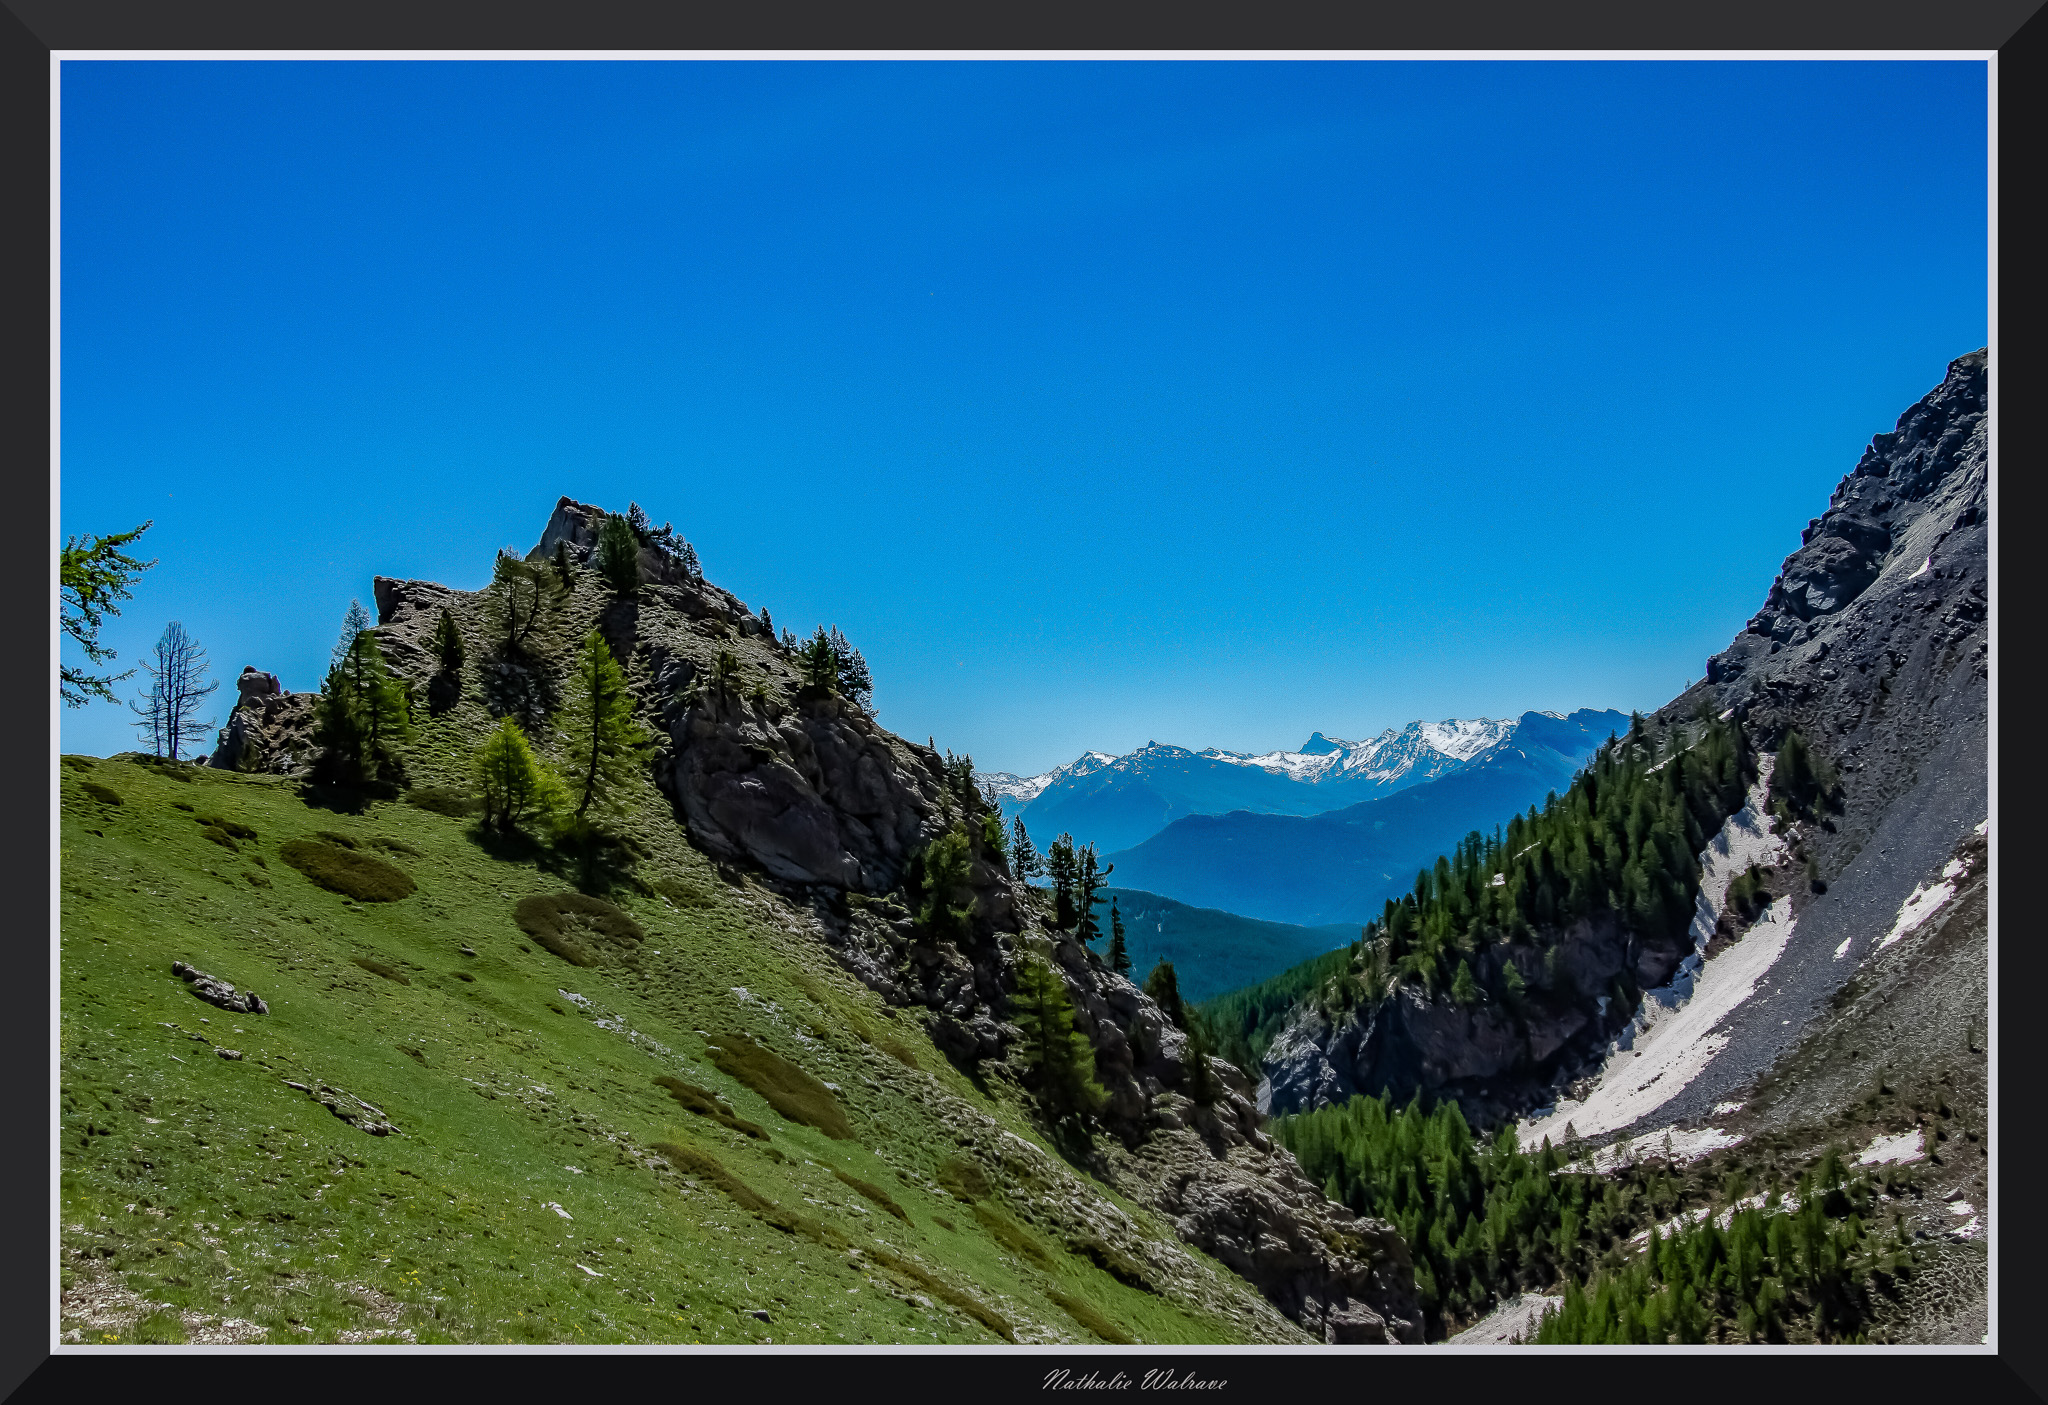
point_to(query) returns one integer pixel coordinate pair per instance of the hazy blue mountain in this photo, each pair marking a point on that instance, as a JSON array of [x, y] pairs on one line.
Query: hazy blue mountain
[[1211, 951], [1341, 866], [1119, 801]]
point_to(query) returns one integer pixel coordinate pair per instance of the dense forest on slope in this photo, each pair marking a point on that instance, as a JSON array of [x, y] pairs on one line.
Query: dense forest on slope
[[1485, 1220]]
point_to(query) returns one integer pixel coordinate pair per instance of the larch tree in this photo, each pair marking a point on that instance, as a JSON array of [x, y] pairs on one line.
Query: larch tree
[[1089, 877], [1025, 860], [618, 555], [1062, 868], [520, 593], [514, 786], [93, 574], [1119, 957], [1058, 1055], [177, 686], [606, 746]]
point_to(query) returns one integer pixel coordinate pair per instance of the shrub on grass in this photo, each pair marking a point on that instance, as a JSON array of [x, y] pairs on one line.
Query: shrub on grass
[[1011, 1235], [583, 931], [394, 846], [944, 1291], [787, 1088], [964, 1179], [79, 763], [684, 894], [378, 968], [692, 1161], [1112, 1261], [353, 875], [226, 826], [706, 1103], [100, 793], [873, 1192], [441, 800], [1084, 1313]]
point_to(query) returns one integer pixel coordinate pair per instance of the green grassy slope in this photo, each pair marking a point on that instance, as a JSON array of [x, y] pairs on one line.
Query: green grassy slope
[[521, 1198]]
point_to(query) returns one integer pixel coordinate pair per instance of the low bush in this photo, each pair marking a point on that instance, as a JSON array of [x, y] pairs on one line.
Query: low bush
[[378, 968], [79, 763], [394, 846], [873, 1192], [787, 1088], [684, 894], [1011, 1235], [583, 931], [1084, 1313], [705, 1167], [100, 793], [944, 1291], [441, 800], [1112, 1261], [706, 1103], [226, 826], [353, 875], [964, 1179]]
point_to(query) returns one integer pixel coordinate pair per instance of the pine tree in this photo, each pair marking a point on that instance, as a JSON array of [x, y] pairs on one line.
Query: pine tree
[[943, 874], [363, 715], [1062, 867], [618, 555], [1464, 989], [816, 665], [1088, 881], [1025, 860], [352, 626], [340, 731], [852, 677], [565, 570], [606, 745], [514, 786], [1163, 985], [1119, 958], [92, 574], [1059, 1056], [448, 646], [520, 592]]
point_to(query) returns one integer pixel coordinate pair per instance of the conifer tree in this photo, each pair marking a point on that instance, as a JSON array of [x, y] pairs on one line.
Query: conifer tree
[[565, 570], [340, 731], [92, 574], [606, 744], [816, 665], [1058, 1055], [853, 679], [1119, 958], [1025, 860], [618, 555], [363, 715], [1464, 989], [352, 626], [1062, 867], [1163, 985], [448, 646], [1088, 880], [514, 786], [942, 875], [520, 592]]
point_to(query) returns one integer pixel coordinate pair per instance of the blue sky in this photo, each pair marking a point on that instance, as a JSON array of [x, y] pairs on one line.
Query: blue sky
[[1212, 403]]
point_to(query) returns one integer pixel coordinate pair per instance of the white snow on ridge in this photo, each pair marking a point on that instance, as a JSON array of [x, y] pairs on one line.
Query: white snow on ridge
[[1461, 741], [1686, 1147]]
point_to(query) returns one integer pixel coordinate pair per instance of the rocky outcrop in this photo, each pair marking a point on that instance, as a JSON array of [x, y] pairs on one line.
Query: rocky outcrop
[[217, 992], [1491, 1061], [269, 729]]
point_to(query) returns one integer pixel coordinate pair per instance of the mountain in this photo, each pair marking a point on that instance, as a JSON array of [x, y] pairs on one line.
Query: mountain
[[698, 1073], [1342, 865], [1830, 988], [1213, 951], [1120, 801]]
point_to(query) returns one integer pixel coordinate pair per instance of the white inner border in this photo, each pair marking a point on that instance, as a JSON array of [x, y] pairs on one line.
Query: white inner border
[[58, 57]]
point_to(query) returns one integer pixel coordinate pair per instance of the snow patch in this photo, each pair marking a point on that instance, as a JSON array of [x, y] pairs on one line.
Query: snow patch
[[1684, 1147], [1925, 567], [1920, 904], [1676, 1032], [1906, 1146], [1983, 828], [1723, 1109], [1962, 1207], [1843, 950]]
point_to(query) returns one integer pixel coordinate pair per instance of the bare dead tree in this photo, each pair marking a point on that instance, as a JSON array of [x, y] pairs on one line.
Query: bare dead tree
[[168, 710]]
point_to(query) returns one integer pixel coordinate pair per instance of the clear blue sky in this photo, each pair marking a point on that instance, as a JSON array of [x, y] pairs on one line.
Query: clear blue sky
[[1212, 403]]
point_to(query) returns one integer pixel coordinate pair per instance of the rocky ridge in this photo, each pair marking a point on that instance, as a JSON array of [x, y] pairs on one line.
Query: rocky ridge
[[818, 803]]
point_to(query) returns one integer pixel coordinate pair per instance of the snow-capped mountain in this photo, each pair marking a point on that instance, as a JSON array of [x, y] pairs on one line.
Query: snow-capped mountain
[[1120, 801]]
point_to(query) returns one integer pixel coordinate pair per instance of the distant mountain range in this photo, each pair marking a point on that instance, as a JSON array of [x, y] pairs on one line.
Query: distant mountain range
[[1340, 866], [1119, 802]]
